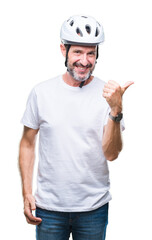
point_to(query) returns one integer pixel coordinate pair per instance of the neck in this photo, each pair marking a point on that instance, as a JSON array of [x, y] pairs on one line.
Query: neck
[[72, 82]]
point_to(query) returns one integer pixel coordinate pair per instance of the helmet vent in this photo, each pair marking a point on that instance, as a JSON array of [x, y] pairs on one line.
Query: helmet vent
[[78, 31], [97, 32], [84, 16], [88, 29], [71, 23]]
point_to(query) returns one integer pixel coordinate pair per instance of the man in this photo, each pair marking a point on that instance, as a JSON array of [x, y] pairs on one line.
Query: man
[[79, 120]]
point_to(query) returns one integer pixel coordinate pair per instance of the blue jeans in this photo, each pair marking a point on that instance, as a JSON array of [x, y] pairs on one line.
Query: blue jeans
[[90, 225]]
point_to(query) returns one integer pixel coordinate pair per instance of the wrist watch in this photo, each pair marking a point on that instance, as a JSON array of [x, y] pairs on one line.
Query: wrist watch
[[116, 118]]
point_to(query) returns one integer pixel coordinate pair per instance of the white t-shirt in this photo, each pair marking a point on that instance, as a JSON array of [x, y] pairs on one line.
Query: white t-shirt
[[73, 174]]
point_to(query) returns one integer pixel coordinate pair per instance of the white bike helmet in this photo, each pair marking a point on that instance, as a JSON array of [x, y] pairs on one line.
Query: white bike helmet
[[82, 30]]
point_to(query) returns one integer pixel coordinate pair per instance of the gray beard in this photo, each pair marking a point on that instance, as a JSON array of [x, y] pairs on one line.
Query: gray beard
[[76, 77]]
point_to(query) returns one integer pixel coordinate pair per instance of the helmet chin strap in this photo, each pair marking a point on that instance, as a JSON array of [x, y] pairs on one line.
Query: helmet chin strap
[[81, 84], [67, 50]]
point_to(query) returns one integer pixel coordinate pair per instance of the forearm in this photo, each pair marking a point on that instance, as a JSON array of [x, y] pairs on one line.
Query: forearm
[[112, 140], [26, 165]]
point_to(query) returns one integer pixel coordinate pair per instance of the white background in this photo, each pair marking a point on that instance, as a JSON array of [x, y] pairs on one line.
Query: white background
[[29, 54]]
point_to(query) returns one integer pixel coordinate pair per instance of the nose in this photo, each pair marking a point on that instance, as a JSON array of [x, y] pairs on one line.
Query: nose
[[84, 59]]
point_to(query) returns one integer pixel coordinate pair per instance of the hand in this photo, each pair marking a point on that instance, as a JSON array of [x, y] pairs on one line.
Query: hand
[[29, 205], [113, 93]]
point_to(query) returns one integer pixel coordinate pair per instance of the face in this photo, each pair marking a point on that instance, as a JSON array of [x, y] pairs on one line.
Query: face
[[81, 62]]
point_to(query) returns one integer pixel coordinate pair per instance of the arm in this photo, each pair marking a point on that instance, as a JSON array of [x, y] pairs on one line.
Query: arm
[[112, 141], [26, 165]]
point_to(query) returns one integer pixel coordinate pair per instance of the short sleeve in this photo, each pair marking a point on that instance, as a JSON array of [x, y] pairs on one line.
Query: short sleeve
[[122, 123], [30, 116]]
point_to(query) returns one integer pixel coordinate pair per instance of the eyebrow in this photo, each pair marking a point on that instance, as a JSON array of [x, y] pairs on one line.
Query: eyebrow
[[79, 50]]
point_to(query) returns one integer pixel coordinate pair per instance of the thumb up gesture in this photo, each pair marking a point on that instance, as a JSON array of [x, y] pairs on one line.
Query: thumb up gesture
[[113, 93]]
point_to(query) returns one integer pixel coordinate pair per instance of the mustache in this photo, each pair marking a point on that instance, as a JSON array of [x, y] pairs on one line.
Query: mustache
[[81, 65]]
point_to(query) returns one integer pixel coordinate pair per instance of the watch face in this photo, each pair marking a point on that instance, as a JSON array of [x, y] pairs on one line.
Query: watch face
[[119, 117]]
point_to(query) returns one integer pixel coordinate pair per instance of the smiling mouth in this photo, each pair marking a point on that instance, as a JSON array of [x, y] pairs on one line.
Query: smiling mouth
[[82, 69]]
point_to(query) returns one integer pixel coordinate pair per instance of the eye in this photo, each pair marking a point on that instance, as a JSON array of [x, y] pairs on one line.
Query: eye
[[77, 51], [91, 53]]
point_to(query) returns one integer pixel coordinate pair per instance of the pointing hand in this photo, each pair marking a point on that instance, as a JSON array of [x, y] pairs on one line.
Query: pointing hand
[[113, 93]]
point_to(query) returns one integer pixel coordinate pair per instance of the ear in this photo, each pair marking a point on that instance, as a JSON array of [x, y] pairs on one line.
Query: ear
[[63, 49]]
